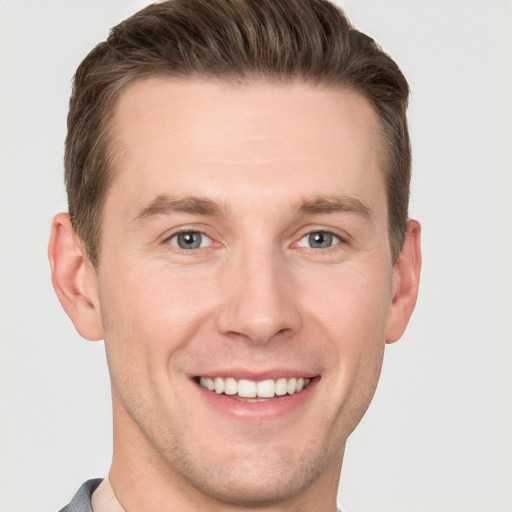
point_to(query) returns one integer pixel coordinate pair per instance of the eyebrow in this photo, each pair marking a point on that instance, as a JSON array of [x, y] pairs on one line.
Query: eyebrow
[[166, 205], [334, 204]]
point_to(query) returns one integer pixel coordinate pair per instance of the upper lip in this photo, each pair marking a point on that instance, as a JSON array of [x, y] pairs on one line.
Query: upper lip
[[257, 376]]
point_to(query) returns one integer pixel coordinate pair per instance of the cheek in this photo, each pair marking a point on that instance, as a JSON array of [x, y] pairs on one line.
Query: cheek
[[348, 317], [150, 314], [351, 311], [354, 299]]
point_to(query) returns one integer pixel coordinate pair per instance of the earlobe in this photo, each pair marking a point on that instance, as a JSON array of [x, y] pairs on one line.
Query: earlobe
[[406, 277], [74, 278]]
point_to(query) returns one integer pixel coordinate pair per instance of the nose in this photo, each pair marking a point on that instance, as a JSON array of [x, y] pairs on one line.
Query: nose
[[259, 298]]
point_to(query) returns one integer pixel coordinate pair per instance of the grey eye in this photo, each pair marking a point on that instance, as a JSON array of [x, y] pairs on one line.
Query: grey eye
[[319, 240], [190, 240]]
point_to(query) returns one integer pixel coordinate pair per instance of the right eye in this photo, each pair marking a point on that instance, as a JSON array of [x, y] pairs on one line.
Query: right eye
[[189, 240]]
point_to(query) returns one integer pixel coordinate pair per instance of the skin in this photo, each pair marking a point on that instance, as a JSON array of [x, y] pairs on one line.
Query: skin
[[273, 163]]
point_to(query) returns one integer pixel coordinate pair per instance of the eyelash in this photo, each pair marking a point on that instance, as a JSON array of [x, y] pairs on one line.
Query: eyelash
[[332, 238]]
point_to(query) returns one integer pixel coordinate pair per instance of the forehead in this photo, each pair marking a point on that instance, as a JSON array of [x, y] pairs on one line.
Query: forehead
[[188, 134]]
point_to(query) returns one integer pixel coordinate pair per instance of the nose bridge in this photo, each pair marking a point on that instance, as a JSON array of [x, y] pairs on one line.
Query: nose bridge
[[259, 295]]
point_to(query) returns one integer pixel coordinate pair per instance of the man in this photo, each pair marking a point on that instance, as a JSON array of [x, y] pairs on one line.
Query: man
[[238, 179]]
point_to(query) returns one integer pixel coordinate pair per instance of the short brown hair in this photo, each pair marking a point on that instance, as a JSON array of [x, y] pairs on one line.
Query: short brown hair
[[237, 40]]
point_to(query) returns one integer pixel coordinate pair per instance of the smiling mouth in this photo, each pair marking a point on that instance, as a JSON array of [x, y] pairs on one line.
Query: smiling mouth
[[250, 389]]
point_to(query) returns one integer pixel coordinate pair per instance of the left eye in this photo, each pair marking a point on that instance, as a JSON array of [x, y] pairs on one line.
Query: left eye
[[190, 240], [319, 240]]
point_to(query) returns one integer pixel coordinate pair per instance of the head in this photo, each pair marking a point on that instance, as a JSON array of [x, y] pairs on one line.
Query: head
[[238, 177], [232, 41]]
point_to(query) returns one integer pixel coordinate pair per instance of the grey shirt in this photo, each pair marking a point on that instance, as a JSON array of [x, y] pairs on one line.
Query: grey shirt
[[81, 501]]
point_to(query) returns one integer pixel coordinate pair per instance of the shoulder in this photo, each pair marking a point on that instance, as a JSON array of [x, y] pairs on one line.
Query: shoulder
[[81, 501]]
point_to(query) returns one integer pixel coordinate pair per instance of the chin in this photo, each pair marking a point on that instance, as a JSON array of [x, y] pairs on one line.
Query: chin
[[253, 488], [264, 480]]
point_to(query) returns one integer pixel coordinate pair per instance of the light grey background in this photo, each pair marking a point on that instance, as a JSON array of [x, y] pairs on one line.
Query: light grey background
[[438, 436]]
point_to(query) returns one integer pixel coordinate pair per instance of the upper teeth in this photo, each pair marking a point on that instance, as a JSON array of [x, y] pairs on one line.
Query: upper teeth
[[252, 389]]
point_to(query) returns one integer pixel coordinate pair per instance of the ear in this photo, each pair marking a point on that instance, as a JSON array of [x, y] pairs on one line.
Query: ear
[[406, 280], [74, 278]]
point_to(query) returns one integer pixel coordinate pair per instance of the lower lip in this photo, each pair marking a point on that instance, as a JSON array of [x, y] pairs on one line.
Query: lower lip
[[267, 410]]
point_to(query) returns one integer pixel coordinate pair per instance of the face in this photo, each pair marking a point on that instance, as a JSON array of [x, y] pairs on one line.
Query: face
[[244, 282]]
